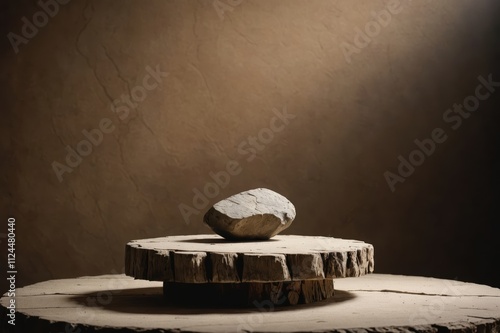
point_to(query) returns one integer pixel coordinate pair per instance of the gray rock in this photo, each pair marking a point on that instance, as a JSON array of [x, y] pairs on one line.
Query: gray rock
[[253, 214]]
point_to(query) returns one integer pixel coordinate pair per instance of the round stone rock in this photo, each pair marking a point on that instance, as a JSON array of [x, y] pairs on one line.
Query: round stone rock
[[254, 214]]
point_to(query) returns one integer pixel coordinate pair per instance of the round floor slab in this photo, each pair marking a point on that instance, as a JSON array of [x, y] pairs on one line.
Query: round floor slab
[[382, 303]]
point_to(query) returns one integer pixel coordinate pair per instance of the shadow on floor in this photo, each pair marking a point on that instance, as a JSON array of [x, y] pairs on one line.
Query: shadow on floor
[[151, 301]]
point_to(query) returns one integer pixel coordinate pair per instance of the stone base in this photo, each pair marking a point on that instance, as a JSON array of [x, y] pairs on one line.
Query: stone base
[[253, 294]]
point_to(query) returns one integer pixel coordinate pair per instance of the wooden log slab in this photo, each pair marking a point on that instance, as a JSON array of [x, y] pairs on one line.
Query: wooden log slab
[[248, 293], [212, 259], [370, 303]]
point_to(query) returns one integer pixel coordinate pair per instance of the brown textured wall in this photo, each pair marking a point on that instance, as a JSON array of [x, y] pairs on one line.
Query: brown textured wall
[[228, 75]]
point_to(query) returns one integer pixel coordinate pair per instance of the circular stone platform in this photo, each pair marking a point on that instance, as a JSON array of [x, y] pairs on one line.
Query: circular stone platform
[[381, 303], [212, 259]]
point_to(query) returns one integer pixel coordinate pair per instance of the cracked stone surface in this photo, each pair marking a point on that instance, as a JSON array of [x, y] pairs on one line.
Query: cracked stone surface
[[254, 214], [371, 303]]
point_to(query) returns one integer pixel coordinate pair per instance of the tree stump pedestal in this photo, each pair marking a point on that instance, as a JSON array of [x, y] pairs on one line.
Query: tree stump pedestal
[[209, 270], [204, 283]]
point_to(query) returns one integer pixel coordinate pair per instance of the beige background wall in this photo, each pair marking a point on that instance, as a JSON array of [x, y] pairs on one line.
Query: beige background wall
[[226, 75]]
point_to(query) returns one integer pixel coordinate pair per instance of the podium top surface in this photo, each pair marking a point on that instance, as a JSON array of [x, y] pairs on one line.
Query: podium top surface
[[212, 259], [286, 244]]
